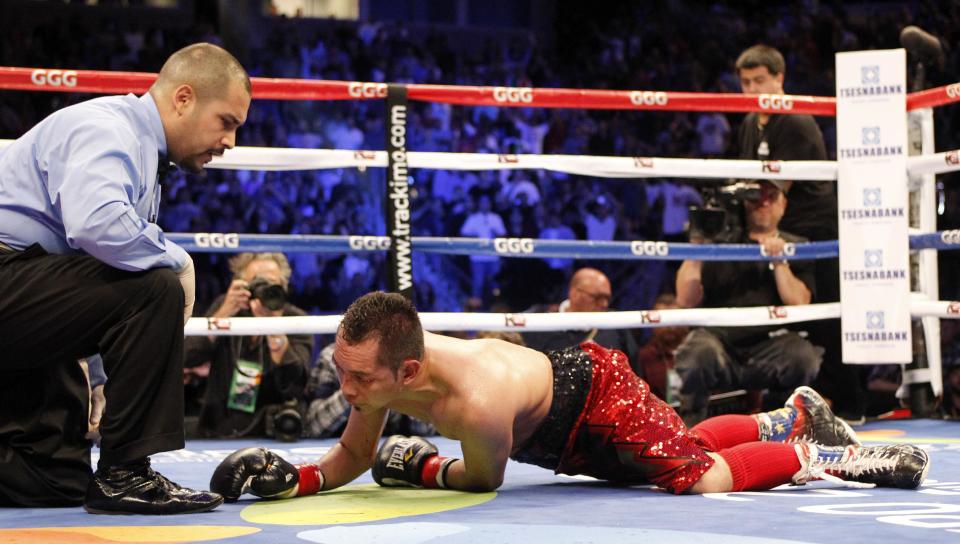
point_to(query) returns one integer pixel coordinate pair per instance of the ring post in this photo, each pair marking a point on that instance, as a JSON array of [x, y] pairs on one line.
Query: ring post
[[397, 202]]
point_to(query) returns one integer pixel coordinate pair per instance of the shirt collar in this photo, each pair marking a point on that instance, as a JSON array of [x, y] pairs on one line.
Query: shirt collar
[[154, 122]]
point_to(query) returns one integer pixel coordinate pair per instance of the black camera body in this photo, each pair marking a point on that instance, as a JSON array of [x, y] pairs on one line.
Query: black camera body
[[283, 422], [272, 295], [721, 217]]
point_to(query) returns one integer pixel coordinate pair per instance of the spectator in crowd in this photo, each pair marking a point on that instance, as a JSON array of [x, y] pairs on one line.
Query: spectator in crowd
[[87, 269], [249, 377], [556, 230], [589, 291], [812, 212], [673, 200], [486, 224], [712, 358], [599, 219], [327, 410], [713, 130]]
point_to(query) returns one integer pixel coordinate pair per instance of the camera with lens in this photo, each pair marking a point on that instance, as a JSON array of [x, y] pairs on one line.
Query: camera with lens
[[720, 218], [272, 295], [283, 421]]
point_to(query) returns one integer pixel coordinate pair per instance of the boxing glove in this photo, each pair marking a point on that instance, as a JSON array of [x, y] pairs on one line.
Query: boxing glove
[[265, 474], [410, 461]]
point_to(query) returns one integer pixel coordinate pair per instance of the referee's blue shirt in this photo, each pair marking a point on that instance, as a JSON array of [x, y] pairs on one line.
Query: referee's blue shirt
[[84, 180]]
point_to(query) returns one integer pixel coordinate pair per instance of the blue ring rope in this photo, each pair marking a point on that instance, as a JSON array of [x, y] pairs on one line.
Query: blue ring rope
[[528, 247]]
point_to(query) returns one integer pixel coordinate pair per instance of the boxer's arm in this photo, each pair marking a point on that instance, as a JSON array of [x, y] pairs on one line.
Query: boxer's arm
[[356, 450], [486, 442]]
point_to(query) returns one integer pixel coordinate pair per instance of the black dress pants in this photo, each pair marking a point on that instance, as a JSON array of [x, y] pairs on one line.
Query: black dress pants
[[55, 309]]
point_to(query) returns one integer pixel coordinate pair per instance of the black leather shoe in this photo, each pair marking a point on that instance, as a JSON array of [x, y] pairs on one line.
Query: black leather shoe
[[135, 488]]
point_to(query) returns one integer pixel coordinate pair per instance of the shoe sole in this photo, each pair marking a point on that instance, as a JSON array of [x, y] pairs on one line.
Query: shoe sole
[[198, 510]]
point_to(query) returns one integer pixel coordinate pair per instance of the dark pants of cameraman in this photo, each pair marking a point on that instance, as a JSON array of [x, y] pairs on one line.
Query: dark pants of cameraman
[[840, 383], [706, 363], [54, 310]]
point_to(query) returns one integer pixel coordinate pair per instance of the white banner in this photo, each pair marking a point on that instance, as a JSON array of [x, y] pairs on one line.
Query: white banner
[[873, 198]]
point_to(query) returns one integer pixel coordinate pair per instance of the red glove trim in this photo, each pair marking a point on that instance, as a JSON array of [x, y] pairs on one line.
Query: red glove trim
[[434, 473], [311, 479]]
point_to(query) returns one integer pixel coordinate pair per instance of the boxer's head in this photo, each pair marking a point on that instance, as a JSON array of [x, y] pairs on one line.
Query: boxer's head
[[379, 348], [202, 94]]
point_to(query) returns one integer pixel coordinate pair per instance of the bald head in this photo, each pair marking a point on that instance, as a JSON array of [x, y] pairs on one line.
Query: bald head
[[209, 69], [589, 291]]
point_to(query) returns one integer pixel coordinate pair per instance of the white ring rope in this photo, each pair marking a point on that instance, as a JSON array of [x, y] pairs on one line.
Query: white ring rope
[[278, 159], [529, 322]]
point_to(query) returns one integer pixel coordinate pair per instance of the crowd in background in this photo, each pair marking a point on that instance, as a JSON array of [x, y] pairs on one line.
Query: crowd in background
[[678, 46]]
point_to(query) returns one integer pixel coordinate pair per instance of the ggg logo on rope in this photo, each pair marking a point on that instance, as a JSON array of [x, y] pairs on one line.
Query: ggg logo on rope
[[369, 243], [214, 239], [513, 95], [357, 89], [648, 98], [789, 249], [54, 78], [951, 237], [953, 91], [646, 248], [775, 102], [513, 245]]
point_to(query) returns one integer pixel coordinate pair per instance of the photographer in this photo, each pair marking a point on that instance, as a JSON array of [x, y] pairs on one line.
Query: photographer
[[750, 357], [256, 383]]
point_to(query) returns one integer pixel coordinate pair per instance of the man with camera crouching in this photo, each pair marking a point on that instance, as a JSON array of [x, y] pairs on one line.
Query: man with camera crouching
[[723, 358], [255, 384]]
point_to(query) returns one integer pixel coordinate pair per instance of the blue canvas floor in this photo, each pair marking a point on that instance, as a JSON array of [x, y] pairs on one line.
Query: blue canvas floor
[[533, 506]]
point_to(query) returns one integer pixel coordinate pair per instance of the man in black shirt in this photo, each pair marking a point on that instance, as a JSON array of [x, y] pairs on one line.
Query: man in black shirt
[[769, 137], [812, 212], [751, 357]]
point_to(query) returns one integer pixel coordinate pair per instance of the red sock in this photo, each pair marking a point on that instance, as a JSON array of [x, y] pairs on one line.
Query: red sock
[[721, 432], [761, 465]]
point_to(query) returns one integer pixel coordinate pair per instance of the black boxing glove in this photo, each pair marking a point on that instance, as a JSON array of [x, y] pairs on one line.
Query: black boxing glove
[[410, 461], [265, 474]]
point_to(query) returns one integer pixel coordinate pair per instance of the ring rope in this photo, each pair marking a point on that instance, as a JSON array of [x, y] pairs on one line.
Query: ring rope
[[633, 319], [646, 250], [107, 82], [281, 159]]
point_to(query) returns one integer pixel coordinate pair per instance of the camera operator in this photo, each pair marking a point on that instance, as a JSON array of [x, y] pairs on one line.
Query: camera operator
[[812, 212], [256, 383], [750, 357]]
